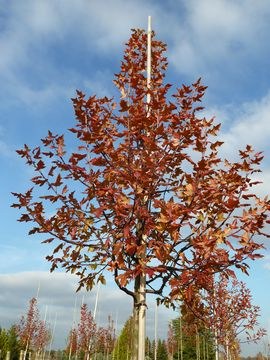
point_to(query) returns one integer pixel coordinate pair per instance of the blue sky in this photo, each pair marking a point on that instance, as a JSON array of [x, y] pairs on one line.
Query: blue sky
[[50, 48]]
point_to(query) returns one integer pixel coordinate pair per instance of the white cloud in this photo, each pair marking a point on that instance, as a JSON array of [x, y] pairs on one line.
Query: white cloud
[[251, 125], [32, 24], [57, 294], [215, 31], [32, 27]]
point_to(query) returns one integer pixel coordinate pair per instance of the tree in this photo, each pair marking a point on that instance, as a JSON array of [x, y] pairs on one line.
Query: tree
[[87, 332], [88, 339], [197, 335], [72, 343], [123, 346], [106, 338], [9, 342], [229, 312], [259, 356], [33, 332], [162, 350], [14, 344], [149, 349], [145, 195], [172, 341], [3, 343], [189, 339]]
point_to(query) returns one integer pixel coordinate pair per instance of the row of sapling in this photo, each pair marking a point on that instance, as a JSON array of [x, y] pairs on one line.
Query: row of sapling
[[87, 339], [224, 311], [84, 341], [217, 320], [231, 315], [146, 195], [189, 339]]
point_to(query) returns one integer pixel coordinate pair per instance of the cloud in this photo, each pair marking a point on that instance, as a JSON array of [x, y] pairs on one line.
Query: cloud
[[58, 299], [249, 124], [201, 36], [218, 34], [57, 294], [42, 43], [32, 25]]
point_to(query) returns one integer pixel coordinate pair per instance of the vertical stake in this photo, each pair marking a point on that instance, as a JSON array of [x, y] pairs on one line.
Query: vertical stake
[[142, 277], [96, 302], [53, 334], [148, 69], [156, 323]]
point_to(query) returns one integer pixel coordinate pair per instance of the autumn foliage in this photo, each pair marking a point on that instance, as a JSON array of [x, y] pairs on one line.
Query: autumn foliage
[[33, 332], [231, 313], [88, 339], [145, 192]]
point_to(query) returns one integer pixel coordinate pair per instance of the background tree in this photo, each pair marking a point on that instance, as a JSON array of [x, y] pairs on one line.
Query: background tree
[[149, 349], [230, 313], [145, 195], [14, 344], [162, 353], [123, 345], [172, 341], [106, 338], [87, 333], [3, 343], [197, 334], [88, 339], [41, 338], [9, 342], [189, 338], [72, 343], [33, 332]]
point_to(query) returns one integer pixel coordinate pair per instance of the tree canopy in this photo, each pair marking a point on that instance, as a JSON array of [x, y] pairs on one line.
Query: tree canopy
[[145, 192]]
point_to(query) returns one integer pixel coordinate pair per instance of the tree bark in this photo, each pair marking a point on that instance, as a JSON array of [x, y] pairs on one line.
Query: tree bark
[[139, 313]]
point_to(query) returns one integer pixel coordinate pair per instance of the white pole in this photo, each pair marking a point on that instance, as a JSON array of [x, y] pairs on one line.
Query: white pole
[[116, 331], [38, 290], [181, 335], [45, 315], [53, 333], [94, 317], [142, 279], [96, 302], [156, 323], [73, 326], [215, 325], [148, 70]]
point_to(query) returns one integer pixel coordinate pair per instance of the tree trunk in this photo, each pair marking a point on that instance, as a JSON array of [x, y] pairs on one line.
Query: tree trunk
[[139, 312], [216, 347], [198, 353], [8, 355], [21, 355]]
